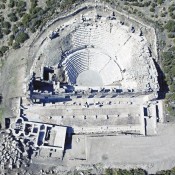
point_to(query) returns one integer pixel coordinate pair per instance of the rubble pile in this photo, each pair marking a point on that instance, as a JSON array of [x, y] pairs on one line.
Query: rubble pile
[[14, 152]]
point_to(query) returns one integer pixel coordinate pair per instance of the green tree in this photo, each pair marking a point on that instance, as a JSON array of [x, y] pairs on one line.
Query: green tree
[[170, 26], [26, 19], [12, 17], [6, 24]]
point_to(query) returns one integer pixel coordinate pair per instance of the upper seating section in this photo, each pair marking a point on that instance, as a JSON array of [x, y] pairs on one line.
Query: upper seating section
[[100, 35]]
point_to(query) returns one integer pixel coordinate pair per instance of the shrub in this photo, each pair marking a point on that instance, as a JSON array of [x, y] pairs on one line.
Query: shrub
[[153, 5], [2, 6], [16, 45], [37, 10], [36, 23], [109, 171], [4, 49], [156, 16], [1, 54], [1, 35], [172, 49], [171, 35], [33, 30], [21, 6], [12, 37], [165, 172], [170, 97], [147, 4], [11, 4], [20, 24], [172, 88], [173, 71], [15, 29], [33, 5], [6, 31], [172, 15], [1, 19], [10, 41], [163, 14], [21, 37], [51, 3], [171, 8], [152, 9], [160, 2], [21, 14], [65, 4]]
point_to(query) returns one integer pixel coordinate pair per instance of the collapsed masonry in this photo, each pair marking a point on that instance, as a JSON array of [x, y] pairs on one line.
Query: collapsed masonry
[[15, 152]]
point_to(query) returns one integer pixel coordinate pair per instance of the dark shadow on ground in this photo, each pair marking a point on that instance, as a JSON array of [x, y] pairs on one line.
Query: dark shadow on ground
[[162, 83]]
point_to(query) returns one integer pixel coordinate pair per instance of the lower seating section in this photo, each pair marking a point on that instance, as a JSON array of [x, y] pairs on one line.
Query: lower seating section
[[75, 64]]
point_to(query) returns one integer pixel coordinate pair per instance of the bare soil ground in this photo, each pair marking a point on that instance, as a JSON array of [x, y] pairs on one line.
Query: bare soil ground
[[151, 153]]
